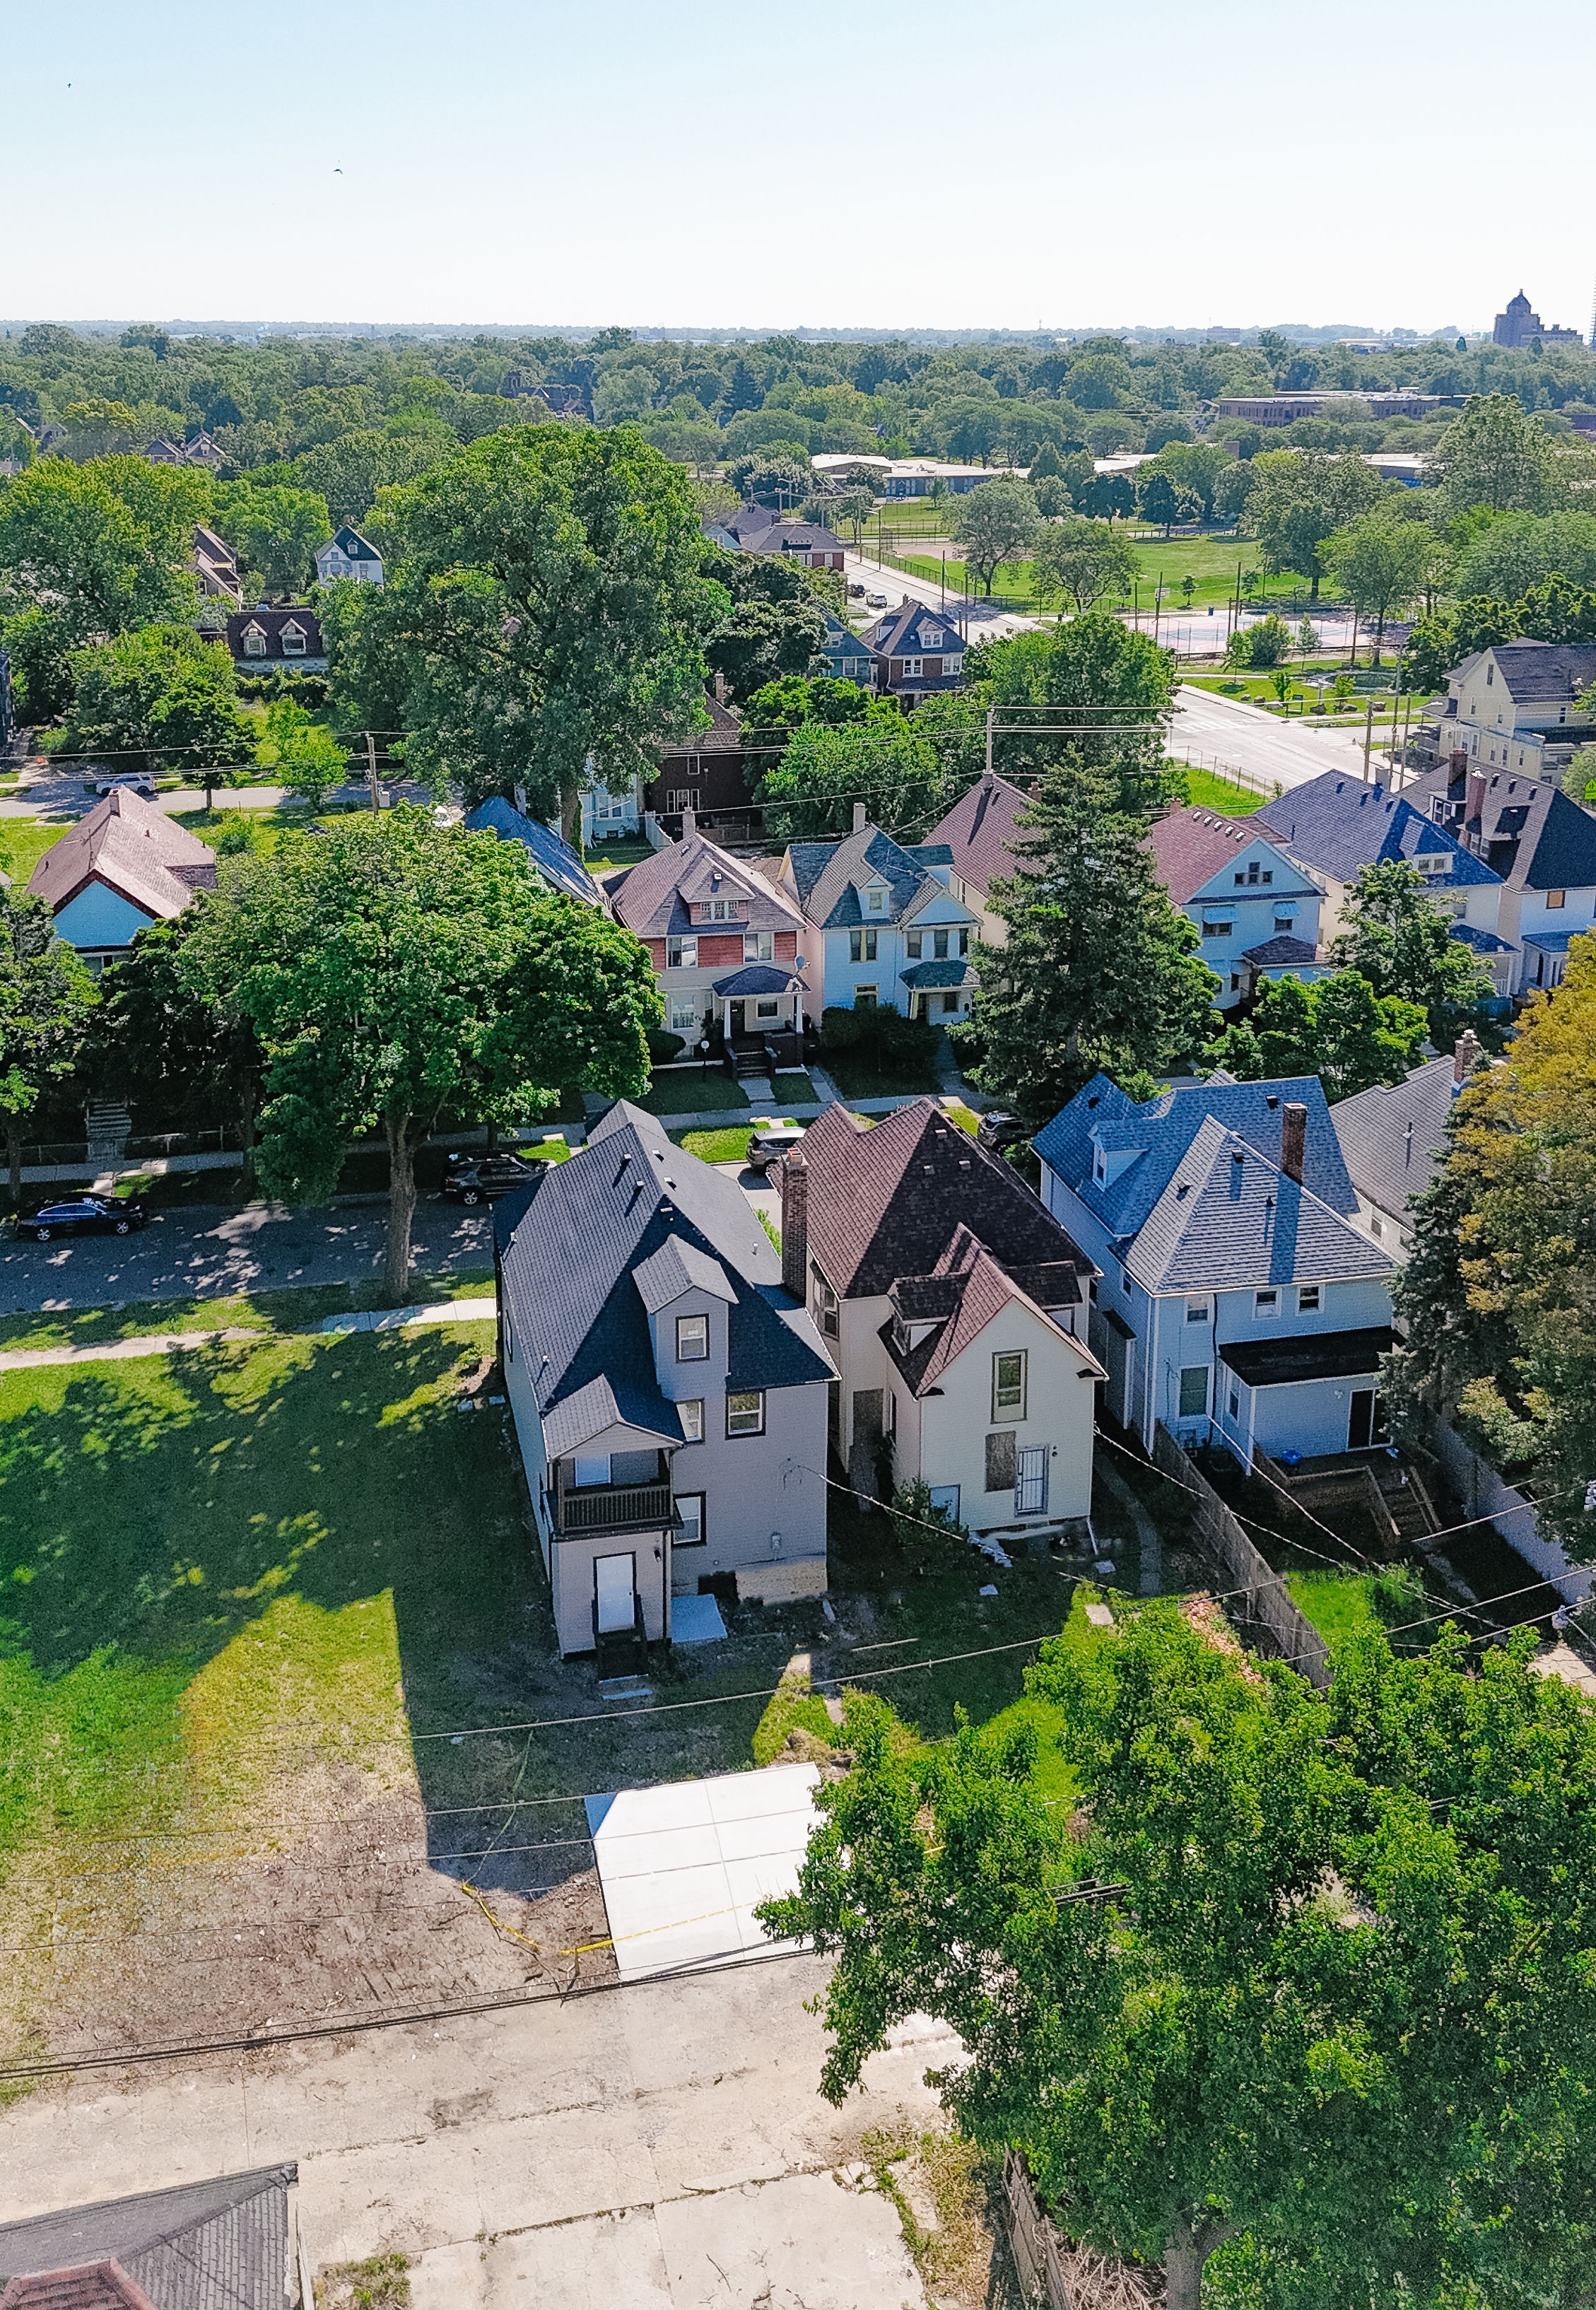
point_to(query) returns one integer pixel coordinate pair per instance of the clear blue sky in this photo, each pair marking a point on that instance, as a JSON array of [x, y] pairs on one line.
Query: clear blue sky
[[1015, 163]]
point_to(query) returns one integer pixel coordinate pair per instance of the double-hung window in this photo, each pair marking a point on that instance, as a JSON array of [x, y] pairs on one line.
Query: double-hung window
[[684, 1014], [689, 1532], [1266, 1305], [682, 954], [1008, 1383], [690, 1410], [745, 1411], [862, 945], [692, 1339], [759, 946]]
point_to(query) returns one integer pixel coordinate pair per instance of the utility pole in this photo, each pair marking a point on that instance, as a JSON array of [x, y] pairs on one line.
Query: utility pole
[[372, 767], [991, 719], [1368, 735]]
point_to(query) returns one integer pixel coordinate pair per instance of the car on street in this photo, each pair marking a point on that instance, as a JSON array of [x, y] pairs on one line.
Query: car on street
[[876, 601], [473, 1179], [769, 1143], [138, 782], [856, 591], [998, 1131], [84, 1215]]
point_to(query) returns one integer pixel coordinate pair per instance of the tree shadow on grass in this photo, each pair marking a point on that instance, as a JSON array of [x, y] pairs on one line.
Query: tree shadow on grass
[[153, 1512]]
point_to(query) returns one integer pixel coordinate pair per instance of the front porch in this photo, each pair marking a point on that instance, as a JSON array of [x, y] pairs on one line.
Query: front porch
[[759, 1011]]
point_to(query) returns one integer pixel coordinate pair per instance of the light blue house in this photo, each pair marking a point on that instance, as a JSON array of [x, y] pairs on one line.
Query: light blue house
[[1238, 1302], [845, 652], [887, 927], [124, 865], [1255, 909]]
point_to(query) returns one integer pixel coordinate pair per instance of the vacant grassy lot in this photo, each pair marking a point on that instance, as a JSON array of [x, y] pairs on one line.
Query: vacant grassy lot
[[300, 1307], [24, 842], [1221, 793]]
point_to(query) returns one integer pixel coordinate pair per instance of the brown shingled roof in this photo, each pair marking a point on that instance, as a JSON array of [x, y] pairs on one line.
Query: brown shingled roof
[[884, 1204], [91, 2286], [125, 842], [648, 900], [980, 831], [1192, 846]]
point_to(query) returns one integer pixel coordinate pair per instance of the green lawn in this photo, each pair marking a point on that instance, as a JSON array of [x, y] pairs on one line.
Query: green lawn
[[24, 842], [693, 1090], [1336, 1604], [300, 1307], [1221, 793], [728, 1146]]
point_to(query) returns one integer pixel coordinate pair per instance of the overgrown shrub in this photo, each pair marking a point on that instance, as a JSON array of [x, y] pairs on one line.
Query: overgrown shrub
[[664, 1047], [914, 1510], [1268, 643], [791, 1707], [882, 1034]]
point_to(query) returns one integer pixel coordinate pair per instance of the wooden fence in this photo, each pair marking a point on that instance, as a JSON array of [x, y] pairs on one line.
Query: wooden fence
[[1054, 2274], [1256, 1593]]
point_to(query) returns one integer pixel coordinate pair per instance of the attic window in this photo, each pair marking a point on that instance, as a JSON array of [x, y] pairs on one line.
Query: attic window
[[875, 900], [1100, 1168]]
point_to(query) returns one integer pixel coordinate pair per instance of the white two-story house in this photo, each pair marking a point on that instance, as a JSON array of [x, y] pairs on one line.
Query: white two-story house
[[1540, 846], [955, 1310], [1238, 1303], [884, 924], [1255, 909], [670, 1399], [1516, 707]]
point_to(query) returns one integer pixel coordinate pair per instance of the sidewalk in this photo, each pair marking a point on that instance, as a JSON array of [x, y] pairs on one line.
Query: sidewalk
[[171, 1343]]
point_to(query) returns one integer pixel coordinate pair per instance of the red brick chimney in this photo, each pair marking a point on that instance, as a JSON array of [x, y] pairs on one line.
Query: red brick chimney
[[794, 1225], [1294, 1138]]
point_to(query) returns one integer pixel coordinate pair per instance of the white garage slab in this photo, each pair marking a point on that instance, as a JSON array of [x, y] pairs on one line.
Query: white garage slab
[[684, 1865]]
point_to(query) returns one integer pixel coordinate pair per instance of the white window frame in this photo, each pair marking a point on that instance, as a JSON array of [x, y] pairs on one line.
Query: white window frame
[[1197, 1311], [946, 1497], [682, 954], [700, 1521], [1266, 1305], [759, 946], [865, 998], [691, 1328], [1191, 1371], [875, 901], [254, 642], [685, 1015], [1310, 1298], [767, 1007], [292, 640], [749, 1418], [690, 1410], [1009, 1394]]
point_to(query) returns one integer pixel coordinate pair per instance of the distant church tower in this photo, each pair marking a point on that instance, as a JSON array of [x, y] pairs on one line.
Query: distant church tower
[[1518, 324]]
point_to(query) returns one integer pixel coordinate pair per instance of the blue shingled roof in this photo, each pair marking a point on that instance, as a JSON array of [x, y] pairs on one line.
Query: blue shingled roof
[[570, 1245], [825, 874], [1482, 941], [1229, 1218], [1336, 824], [550, 857], [757, 979], [1156, 1134], [935, 974]]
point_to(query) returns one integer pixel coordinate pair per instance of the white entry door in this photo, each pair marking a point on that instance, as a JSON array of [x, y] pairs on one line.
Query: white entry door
[[614, 1589], [1030, 1481]]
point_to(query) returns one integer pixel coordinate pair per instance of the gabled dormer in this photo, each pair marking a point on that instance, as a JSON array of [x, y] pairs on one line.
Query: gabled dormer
[[1112, 1158]]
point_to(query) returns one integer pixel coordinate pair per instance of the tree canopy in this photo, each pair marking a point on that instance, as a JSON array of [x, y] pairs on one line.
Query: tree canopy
[[163, 698], [995, 522], [1083, 563], [1301, 497], [1399, 938], [1337, 1028], [1380, 561], [878, 758], [1496, 1297], [541, 619], [1493, 454], [1294, 1990], [392, 967], [46, 998]]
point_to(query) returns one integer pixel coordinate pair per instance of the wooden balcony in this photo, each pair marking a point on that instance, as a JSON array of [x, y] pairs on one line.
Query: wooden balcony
[[589, 1508]]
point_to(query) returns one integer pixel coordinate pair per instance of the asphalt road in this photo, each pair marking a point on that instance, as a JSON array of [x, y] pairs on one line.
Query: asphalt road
[[982, 620], [207, 1254], [1221, 734], [659, 2147]]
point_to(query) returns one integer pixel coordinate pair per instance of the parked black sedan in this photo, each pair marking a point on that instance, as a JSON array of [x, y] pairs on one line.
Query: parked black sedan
[[473, 1179], [84, 1215]]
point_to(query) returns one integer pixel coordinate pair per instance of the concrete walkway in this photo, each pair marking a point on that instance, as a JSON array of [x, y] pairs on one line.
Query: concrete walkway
[[171, 1343]]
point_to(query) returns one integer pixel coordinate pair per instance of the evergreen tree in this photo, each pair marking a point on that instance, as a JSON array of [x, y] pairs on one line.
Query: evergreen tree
[[1098, 968]]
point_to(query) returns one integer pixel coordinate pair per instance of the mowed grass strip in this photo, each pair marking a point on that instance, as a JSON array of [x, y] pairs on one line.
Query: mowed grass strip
[[297, 1307]]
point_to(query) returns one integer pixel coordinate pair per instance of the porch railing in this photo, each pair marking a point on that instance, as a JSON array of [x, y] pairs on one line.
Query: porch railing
[[612, 1507]]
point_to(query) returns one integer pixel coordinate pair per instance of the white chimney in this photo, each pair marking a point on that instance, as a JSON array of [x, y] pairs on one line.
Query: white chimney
[[689, 824], [858, 819]]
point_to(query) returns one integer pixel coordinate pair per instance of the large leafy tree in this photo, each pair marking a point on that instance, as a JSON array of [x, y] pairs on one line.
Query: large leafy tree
[[1101, 695], [392, 967], [995, 522], [1337, 1028], [1098, 969], [46, 998], [1301, 497], [1082, 562], [880, 761], [1298, 1984], [541, 619], [1497, 1299], [87, 552], [1494, 454], [175, 1053], [1398, 938], [163, 697], [1380, 561], [275, 533]]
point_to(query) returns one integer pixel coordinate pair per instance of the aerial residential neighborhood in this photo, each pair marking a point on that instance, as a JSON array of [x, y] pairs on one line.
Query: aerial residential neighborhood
[[798, 1104]]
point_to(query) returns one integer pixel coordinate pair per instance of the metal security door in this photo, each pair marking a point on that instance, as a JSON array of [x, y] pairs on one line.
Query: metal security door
[[1030, 1481]]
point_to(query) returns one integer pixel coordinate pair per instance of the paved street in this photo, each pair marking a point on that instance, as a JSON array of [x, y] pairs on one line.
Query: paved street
[[981, 620], [661, 2148], [209, 1252], [1223, 734]]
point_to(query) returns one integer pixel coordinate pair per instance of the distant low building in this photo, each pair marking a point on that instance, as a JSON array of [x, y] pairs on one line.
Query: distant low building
[[347, 554], [262, 641], [1516, 707], [706, 773], [124, 865], [1284, 408], [201, 451], [755, 529], [846, 653], [1520, 326], [560, 400], [1540, 846]]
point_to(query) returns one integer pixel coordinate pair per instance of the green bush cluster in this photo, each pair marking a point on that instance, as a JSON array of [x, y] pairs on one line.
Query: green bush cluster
[[879, 1033]]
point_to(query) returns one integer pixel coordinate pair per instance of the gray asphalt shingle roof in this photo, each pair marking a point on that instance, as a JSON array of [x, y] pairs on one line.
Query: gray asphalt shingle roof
[[571, 1249], [220, 2244], [549, 855], [1231, 1218], [1162, 1129], [1335, 824], [826, 874], [1390, 1136]]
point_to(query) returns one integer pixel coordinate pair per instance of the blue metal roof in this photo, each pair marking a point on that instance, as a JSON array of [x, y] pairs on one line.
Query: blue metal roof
[[1336, 824], [550, 856], [1482, 941], [1156, 1135]]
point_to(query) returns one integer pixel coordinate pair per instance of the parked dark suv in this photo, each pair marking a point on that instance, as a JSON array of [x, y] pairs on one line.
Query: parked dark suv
[[84, 1215], [998, 1131], [478, 1179]]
